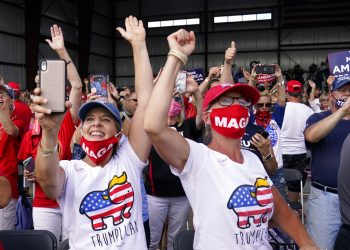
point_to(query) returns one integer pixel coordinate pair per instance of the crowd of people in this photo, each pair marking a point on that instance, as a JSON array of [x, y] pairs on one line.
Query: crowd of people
[[112, 171]]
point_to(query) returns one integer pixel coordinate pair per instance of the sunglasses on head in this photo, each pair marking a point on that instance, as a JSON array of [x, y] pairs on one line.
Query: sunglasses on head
[[261, 105]]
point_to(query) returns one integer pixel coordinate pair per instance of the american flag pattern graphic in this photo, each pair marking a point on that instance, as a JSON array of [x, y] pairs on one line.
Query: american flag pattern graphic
[[252, 202], [115, 202]]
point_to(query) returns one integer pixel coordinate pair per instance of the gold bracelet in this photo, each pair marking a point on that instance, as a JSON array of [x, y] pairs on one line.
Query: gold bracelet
[[179, 55], [48, 152]]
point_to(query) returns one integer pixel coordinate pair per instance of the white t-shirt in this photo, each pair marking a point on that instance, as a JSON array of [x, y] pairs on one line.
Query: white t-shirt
[[221, 192], [101, 207], [292, 131], [275, 137]]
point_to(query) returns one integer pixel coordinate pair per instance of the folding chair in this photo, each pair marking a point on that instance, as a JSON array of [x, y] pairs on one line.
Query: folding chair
[[296, 175], [184, 240], [28, 240]]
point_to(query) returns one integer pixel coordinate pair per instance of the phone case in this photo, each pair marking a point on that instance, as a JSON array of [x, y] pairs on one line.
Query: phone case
[[265, 69], [181, 82], [98, 84], [28, 164], [52, 80]]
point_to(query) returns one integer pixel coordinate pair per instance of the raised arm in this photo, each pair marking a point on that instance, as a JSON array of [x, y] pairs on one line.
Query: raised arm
[[230, 54], [321, 129], [135, 34], [193, 88], [57, 44], [49, 174], [171, 146], [6, 107], [281, 89], [213, 72]]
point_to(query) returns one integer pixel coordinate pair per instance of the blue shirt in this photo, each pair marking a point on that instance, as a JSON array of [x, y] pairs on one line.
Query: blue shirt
[[325, 154]]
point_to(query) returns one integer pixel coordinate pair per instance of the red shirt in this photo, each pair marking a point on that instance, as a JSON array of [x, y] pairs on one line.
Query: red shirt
[[9, 147], [24, 113], [29, 147]]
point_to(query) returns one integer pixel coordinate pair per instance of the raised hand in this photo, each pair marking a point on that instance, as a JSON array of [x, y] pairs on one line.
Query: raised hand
[[182, 41], [312, 84], [278, 73], [134, 31], [330, 81], [230, 53], [191, 85], [48, 120], [214, 72], [57, 40]]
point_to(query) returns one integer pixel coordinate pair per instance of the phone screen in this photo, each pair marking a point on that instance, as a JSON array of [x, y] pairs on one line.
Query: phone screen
[[98, 84], [181, 82]]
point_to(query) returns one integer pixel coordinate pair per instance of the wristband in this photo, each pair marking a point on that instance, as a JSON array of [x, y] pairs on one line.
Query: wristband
[[48, 152], [179, 55]]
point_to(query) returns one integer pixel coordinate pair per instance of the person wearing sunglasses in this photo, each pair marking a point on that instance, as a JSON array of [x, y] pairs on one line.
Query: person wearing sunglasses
[[272, 123], [224, 184]]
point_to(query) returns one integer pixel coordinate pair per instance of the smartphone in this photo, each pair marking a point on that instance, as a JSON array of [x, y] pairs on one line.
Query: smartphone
[[28, 165], [98, 84], [265, 69], [52, 81], [264, 133], [181, 82]]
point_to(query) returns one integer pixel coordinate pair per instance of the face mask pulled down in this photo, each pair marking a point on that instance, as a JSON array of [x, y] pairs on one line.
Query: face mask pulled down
[[230, 121], [97, 151]]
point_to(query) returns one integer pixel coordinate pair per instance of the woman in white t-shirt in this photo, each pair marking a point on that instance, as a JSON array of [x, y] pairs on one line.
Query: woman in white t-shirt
[[100, 195], [229, 191]]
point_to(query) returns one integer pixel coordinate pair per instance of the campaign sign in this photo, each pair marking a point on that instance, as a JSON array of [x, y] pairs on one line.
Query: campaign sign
[[339, 65], [197, 74]]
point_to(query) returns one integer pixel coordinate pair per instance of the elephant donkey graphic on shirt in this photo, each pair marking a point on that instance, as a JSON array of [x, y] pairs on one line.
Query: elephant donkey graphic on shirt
[[252, 202], [115, 202]]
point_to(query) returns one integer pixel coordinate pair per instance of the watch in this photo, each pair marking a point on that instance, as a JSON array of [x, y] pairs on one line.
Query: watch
[[267, 157]]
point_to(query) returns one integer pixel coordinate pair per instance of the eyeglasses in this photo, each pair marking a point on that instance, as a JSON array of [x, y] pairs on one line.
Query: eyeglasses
[[261, 105], [4, 94], [227, 100]]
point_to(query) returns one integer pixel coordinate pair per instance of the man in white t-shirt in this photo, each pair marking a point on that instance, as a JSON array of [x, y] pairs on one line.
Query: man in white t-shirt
[[292, 135]]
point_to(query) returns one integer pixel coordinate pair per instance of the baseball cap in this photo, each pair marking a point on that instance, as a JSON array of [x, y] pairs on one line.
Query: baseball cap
[[245, 90], [15, 86], [337, 84], [294, 86], [8, 90], [101, 102]]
